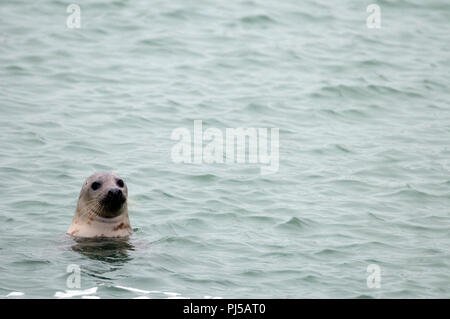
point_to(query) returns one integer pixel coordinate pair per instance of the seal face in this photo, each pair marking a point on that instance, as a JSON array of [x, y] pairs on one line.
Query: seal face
[[102, 209]]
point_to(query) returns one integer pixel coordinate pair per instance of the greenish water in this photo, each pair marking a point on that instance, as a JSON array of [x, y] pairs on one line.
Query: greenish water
[[364, 172]]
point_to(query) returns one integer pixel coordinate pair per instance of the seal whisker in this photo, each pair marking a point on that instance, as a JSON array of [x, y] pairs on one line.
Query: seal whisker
[[91, 208], [94, 209]]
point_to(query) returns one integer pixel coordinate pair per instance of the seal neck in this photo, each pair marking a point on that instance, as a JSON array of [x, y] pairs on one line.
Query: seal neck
[[111, 220]]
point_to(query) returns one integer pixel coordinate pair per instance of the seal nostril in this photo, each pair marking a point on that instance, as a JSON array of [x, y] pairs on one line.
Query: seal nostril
[[115, 193]]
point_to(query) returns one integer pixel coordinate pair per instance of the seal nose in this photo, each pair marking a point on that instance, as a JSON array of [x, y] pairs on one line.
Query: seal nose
[[113, 200], [115, 193]]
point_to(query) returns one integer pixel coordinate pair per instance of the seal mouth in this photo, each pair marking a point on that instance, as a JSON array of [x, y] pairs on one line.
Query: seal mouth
[[113, 201]]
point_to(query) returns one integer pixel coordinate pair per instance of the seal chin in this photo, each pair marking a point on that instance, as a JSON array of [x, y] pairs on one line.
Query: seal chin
[[113, 202]]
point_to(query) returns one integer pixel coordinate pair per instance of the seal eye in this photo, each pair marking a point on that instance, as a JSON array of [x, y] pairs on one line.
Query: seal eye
[[120, 183], [96, 185]]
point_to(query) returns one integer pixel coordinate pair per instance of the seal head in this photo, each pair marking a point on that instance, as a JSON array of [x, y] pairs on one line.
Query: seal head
[[102, 209]]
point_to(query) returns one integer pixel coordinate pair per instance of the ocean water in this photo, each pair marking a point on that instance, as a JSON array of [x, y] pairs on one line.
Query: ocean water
[[359, 207]]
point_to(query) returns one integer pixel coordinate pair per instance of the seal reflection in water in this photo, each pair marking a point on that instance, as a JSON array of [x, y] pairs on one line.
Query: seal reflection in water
[[102, 209], [110, 250]]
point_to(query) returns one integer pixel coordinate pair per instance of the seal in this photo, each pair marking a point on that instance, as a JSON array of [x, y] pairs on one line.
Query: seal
[[102, 209]]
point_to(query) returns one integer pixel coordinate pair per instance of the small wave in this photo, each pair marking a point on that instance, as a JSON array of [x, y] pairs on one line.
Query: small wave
[[412, 193], [168, 294], [342, 148], [203, 177], [387, 90], [15, 294], [75, 293], [329, 252], [139, 291], [15, 69], [295, 224], [153, 42], [257, 19], [340, 90], [364, 297], [180, 14]]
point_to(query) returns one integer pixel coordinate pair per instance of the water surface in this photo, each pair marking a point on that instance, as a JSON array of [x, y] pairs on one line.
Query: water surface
[[364, 174]]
